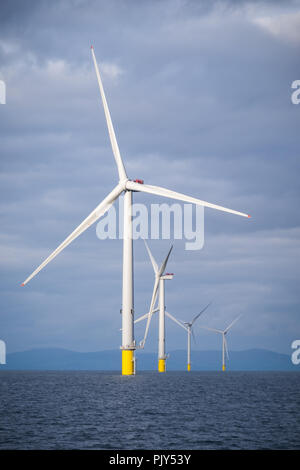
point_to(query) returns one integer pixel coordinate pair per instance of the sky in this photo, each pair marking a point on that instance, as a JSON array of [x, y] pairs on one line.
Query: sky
[[200, 97]]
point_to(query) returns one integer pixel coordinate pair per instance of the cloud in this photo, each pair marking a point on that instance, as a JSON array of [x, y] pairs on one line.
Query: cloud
[[111, 71], [284, 26], [199, 94]]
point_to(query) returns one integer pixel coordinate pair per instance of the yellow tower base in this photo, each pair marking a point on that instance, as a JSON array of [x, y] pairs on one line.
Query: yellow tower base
[[128, 362], [161, 365], [189, 367], [223, 367]]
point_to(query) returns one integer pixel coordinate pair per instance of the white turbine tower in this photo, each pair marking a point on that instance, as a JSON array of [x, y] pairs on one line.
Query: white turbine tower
[[128, 187], [224, 342]]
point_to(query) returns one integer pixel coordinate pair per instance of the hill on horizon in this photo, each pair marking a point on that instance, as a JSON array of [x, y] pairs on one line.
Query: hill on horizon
[[64, 359]]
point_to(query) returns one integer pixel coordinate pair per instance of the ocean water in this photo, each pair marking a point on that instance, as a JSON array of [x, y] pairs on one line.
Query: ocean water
[[176, 410]]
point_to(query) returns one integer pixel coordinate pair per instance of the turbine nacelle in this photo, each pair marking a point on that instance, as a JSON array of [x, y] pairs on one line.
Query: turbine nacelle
[[167, 276], [137, 181]]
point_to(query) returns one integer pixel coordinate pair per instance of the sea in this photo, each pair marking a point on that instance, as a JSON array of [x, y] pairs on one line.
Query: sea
[[42, 410]]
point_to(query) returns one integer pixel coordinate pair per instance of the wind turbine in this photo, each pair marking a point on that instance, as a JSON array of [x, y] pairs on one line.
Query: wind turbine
[[224, 342], [126, 186], [159, 287], [189, 327]]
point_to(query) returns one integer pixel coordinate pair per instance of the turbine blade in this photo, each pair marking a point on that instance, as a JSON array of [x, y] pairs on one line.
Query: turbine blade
[[146, 188], [95, 215], [143, 317], [202, 311], [164, 263], [176, 321], [112, 136], [154, 264], [153, 299], [211, 329], [226, 347], [232, 323], [193, 335]]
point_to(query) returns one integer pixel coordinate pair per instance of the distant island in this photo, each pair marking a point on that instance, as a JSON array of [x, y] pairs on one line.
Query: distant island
[[63, 359]]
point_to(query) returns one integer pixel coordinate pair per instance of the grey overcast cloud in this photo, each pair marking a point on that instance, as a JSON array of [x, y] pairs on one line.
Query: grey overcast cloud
[[200, 98]]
